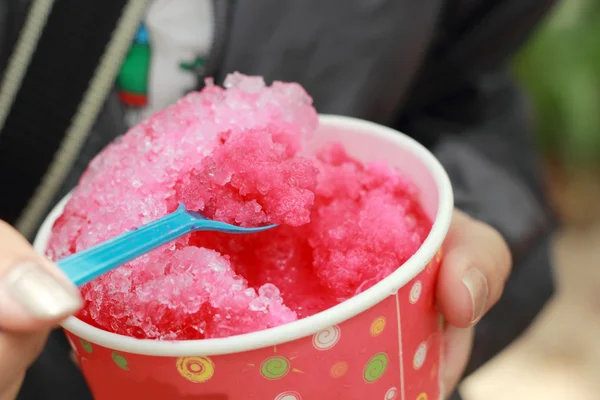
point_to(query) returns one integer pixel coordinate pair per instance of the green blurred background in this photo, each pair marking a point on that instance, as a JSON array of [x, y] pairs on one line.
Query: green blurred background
[[559, 68], [558, 358]]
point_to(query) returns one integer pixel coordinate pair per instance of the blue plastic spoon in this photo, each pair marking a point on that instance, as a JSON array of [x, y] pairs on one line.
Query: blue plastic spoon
[[89, 264]]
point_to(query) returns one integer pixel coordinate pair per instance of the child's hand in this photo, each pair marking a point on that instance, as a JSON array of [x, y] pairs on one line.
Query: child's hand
[[476, 264], [34, 297]]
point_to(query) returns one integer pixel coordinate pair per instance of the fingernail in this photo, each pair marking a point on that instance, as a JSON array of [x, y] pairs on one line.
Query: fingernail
[[477, 285], [41, 293]]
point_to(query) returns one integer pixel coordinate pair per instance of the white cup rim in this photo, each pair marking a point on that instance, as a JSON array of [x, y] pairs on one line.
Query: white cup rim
[[306, 326]]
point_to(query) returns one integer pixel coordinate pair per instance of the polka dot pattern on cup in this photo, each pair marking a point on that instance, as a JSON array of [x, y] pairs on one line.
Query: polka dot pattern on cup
[[377, 326], [391, 394], [420, 356], [196, 369], [275, 367], [375, 368], [339, 369], [327, 338], [289, 396], [415, 292], [321, 365], [120, 360], [87, 346]]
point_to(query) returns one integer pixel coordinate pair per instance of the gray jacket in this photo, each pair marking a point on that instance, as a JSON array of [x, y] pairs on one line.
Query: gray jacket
[[434, 69]]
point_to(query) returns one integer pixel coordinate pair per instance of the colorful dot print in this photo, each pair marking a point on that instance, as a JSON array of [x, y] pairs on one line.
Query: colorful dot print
[[339, 369], [375, 368], [377, 326], [120, 361], [327, 338], [275, 367], [196, 369]]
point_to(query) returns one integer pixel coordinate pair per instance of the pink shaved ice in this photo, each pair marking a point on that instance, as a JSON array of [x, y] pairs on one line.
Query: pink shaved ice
[[237, 154]]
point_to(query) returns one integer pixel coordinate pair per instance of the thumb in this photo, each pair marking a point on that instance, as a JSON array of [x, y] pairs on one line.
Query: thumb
[[476, 264], [34, 294]]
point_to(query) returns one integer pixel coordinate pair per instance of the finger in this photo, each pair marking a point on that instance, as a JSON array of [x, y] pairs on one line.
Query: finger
[[457, 350], [11, 392], [476, 265], [18, 351], [34, 294]]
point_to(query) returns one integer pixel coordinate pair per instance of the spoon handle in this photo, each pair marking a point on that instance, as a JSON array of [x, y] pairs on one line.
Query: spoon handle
[[89, 264]]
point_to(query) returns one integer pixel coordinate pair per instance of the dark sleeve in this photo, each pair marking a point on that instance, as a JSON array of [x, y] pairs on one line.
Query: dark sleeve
[[469, 111], [12, 16]]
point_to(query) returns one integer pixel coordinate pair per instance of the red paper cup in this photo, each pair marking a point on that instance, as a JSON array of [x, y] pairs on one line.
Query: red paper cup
[[382, 344]]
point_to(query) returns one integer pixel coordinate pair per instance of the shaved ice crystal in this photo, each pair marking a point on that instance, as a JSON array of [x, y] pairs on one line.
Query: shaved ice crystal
[[236, 154], [365, 216]]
